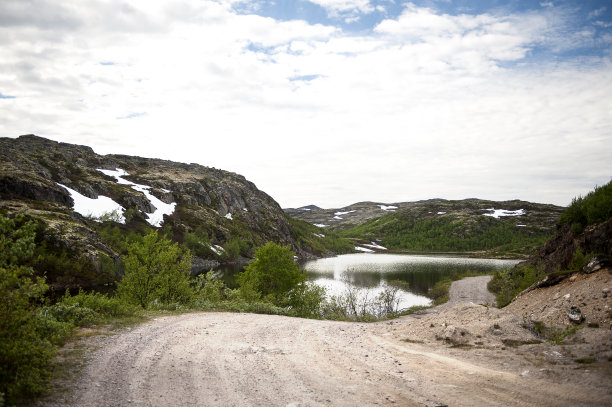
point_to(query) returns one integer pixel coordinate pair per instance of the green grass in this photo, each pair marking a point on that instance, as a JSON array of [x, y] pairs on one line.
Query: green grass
[[586, 360], [549, 333]]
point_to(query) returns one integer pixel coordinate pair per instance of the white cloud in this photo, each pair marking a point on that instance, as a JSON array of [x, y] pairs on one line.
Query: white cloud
[[430, 105], [596, 13], [337, 7]]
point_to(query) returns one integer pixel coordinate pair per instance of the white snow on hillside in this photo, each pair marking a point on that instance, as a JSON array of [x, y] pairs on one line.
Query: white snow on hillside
[[375, 245], [337, 218], [229, 216], [390, 208], [161, 208], [441, 213], [497, 213], [343, 213], [217, 249], [320, 225], [363, 249], [95, 207], [321, 235]]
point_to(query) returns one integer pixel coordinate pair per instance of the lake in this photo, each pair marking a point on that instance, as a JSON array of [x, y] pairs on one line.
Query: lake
[[371, 271]]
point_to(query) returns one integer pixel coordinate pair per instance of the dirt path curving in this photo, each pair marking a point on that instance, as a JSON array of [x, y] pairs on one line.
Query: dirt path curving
[[225, 359]]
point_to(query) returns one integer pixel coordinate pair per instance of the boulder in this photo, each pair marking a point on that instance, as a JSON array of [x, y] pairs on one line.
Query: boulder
[[575, 315]]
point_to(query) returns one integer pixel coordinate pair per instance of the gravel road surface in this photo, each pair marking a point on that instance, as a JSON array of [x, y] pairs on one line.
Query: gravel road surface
[[228, 359]]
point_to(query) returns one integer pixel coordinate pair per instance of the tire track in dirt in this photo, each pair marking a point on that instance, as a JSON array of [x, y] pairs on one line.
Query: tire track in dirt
[[228, 359]]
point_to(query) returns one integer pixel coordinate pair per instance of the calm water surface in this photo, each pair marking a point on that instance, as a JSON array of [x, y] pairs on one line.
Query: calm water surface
[[372, 271]]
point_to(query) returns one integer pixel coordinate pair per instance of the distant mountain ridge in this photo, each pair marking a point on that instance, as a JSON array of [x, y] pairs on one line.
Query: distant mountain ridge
[[441, 225]]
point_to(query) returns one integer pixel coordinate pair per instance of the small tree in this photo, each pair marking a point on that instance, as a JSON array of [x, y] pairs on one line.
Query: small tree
[[272, 275], [24, 351], [156, 269]]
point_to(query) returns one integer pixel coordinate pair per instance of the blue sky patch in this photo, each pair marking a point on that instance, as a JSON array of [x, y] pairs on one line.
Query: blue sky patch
[[3, 96], [304, 78], [132, 115]]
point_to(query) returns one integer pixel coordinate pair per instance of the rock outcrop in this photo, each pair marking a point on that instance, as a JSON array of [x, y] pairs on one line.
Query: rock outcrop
[[558, 252], [224, 204]]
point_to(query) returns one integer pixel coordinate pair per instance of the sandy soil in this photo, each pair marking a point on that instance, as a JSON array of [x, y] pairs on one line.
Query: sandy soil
[[462, 354]]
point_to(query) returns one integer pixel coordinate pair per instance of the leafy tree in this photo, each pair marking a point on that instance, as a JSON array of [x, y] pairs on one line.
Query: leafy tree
[[272, 275], [156, 270], [24, 352]]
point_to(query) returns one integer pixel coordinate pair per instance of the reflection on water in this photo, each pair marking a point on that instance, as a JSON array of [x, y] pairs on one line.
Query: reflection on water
[[372, 271]]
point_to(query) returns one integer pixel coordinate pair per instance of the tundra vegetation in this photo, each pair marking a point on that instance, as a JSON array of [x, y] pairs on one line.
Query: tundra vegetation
[[153, 276], [406, 231]]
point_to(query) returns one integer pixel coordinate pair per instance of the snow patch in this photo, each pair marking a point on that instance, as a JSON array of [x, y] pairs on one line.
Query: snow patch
[[441, 213], [363, 249], [217, 249], [229, 216], [320, 225], [390, 208], [95, 207], [337, 218], [245, 209], [165, 190], [375, 245], [343, 213], [321, 235], [521, 226], [497, 213], [161, 208]]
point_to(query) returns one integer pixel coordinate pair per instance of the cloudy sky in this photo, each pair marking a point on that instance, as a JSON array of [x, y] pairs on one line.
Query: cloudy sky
[[326, 102]]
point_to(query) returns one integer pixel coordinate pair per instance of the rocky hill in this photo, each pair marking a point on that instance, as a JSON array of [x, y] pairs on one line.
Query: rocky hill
[[72, 192], [510, 227]]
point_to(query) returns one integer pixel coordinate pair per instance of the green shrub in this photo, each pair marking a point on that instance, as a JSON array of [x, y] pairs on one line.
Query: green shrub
[[579, 260], [272, 275], [156, 270], [439, 293], [198, 243], [27, 341], [209, 287], [595, 207], [508, 283], [102, 305], [306, 300], [72, 314]]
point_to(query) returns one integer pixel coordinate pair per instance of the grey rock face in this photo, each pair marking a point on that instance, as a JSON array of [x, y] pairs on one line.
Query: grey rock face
[[222, 203]]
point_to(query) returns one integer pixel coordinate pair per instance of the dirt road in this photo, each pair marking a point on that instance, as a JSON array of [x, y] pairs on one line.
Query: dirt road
[[224, 359]]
